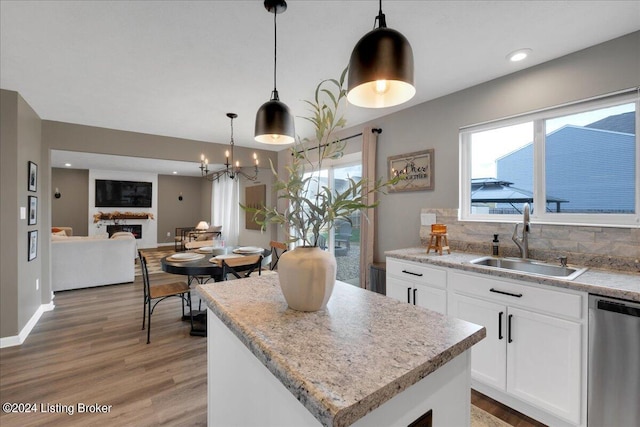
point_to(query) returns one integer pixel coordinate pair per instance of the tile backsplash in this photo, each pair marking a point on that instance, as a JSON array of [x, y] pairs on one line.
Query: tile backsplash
[[596, 247]]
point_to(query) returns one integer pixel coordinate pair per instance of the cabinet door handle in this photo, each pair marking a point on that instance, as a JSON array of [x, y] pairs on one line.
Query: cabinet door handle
[[509, 326], [412, 273], [408, 295], [414, 296], [500, 336], [498, 291]]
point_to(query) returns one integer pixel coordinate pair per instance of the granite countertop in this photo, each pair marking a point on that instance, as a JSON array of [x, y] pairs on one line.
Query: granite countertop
[[345, 361], [595, 281]]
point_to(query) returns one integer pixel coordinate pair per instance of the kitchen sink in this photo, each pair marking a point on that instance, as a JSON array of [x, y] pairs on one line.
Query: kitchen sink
[[528, 266]]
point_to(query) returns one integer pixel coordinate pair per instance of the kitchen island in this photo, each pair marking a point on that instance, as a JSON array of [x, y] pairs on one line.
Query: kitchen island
[[365, 360]]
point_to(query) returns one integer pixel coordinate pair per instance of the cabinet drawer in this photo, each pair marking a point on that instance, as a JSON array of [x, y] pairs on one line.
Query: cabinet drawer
[[560, 303], [418, 273], [417, 294]]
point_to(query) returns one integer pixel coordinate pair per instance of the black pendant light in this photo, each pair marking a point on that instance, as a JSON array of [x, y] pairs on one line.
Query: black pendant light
[[274, 122], [381, 68]]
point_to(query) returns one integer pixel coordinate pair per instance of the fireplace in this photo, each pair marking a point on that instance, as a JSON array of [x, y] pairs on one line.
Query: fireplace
[[136, 230]]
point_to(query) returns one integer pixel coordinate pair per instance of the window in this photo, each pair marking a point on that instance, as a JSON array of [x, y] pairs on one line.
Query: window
[[576, 164]]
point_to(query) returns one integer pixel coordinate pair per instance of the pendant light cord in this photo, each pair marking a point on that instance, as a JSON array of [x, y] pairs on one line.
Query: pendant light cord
[[382, 21], [231, 144], [274, 94]]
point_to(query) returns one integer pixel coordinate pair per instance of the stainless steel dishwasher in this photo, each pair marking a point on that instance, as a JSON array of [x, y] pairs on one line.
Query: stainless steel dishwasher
[[614, 363]]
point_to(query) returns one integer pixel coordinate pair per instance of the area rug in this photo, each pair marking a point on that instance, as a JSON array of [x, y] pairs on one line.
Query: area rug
[[153, 260], [481, 418]]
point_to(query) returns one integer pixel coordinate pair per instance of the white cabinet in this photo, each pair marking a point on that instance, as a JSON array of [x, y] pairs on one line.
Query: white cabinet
[[417, 284], [543, 362], [534, 349], [489, 357]]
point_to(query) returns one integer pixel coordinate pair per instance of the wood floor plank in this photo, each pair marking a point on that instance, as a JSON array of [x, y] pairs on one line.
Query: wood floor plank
[[503, 412], [91, 349]]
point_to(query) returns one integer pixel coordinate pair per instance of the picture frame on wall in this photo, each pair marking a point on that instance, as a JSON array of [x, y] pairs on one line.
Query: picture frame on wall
[[33, 177], [417, 169], [33, 210], [32, 245], [255, 197]]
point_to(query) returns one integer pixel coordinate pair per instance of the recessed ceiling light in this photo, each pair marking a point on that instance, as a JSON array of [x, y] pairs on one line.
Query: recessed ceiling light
[[175, 172], [67, 165], [519, 55]]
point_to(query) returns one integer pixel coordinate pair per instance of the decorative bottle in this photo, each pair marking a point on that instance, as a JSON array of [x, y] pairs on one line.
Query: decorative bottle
[[496, 245]]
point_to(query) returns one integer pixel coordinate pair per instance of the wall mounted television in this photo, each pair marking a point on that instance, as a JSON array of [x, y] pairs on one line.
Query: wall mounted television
[[122, 194]]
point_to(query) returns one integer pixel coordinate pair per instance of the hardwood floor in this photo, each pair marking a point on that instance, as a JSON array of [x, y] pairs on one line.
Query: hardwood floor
[[91, 350], [503, 412]]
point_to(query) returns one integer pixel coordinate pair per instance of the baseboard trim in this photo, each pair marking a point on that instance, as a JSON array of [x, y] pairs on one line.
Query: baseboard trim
[[24, 333]]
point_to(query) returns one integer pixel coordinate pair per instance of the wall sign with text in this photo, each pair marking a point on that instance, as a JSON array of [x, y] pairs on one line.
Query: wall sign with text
[[417, 169]]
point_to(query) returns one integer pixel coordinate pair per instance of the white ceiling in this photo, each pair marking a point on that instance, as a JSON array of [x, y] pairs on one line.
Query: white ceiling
[[175, 68], [78, 160]]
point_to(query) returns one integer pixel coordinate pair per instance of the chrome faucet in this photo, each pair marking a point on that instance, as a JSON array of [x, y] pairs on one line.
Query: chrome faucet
[[523, 242]]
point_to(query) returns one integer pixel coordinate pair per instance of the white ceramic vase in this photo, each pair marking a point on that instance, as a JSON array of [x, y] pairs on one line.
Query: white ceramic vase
[[307, 276]]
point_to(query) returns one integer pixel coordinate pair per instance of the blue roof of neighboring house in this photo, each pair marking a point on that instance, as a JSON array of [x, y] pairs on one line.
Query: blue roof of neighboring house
[[625, 123]]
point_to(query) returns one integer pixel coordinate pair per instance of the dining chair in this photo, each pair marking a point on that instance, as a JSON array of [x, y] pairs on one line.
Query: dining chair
[[275, 256], [245, 265], [153, 294]]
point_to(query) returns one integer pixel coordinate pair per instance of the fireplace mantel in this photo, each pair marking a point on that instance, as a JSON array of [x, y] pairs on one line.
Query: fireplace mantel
[[115, 216]]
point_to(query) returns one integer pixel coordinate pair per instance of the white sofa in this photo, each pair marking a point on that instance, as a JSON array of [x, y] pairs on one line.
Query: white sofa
[[82, 262]]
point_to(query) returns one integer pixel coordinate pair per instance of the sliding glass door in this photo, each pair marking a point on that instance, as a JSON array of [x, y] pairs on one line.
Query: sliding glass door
[[343, 240], [346, 235]]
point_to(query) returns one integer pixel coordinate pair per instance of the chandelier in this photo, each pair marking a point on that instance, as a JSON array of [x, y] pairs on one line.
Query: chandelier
[[231, 170]]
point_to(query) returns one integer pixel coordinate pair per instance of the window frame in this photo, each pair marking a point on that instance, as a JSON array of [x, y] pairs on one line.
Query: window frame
[[539, 214]]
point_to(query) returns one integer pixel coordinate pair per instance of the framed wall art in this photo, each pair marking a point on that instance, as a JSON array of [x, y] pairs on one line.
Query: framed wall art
[[33, 245], [416, 168], [33, 210], [33, 177], [255, 197]]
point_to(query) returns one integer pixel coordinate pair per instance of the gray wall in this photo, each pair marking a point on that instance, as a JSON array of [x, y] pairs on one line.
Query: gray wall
[[205, 200], [90, 139], [71, 209], [174, 213], [20, 142]]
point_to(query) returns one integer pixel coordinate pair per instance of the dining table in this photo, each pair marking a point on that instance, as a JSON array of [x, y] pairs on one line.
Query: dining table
[[202, 268]]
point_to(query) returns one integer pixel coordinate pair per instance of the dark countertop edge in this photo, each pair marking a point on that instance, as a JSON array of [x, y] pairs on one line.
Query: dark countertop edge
[[329, 415], [578, 284]]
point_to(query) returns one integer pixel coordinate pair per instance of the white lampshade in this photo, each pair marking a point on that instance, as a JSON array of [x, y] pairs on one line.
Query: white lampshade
[[202, 225]]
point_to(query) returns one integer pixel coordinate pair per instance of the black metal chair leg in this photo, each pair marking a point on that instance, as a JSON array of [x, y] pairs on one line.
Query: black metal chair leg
[[149, 325], [190, 311], [144, 312]]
